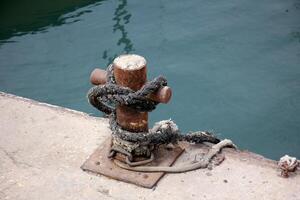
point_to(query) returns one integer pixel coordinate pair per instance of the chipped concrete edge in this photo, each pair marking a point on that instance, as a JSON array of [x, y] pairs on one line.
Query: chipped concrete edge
[[50, 106], [251, 158]]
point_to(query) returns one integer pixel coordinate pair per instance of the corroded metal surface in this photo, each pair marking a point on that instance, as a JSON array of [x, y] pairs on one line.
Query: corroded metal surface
[[130, 119], [99, 163]]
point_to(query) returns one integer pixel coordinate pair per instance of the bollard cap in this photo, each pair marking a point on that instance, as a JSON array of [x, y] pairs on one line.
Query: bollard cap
[[130, 62]]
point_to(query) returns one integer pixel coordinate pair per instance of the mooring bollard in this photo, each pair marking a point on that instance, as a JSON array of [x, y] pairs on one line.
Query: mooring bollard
[[125, 95], [131, 71]]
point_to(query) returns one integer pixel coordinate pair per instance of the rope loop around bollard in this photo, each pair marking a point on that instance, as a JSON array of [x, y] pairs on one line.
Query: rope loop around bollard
[[106, 97]]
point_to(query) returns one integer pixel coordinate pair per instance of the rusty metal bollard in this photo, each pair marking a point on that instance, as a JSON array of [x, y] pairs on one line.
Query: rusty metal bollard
[[123, 93], [131, 71]]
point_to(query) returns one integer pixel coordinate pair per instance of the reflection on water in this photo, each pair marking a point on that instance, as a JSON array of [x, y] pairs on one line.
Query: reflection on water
[[121, 18], [296, 35], [22, 17]]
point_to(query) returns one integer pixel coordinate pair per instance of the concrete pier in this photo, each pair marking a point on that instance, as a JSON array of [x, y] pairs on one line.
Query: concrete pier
[[42, 148]]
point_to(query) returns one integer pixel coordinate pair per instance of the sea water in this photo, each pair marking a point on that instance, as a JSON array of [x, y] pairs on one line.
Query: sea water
[[233, 66]]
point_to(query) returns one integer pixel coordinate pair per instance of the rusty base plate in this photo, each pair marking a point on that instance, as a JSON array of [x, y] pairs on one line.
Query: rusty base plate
[[99, 163]]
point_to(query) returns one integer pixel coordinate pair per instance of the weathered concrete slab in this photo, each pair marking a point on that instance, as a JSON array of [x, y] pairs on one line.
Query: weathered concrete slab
[[42, 148]]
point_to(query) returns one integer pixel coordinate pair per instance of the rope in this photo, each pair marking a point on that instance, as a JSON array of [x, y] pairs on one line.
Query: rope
[[103, 96], [184, 168], [106, 97]]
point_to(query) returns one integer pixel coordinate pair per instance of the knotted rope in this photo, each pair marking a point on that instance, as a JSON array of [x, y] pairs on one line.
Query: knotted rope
[[106, 97], [103, 96]]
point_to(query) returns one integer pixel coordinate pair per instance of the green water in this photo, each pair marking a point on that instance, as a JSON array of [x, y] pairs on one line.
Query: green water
[[234, 65]]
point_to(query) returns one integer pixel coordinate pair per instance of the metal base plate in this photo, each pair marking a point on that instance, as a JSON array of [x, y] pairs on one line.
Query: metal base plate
[[99, 163]]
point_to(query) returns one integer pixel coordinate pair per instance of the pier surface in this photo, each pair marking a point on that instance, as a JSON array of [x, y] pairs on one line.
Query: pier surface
[[42, 148]]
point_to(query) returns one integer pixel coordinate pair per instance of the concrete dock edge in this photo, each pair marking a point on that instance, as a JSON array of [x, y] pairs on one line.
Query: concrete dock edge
[[43, 146]]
